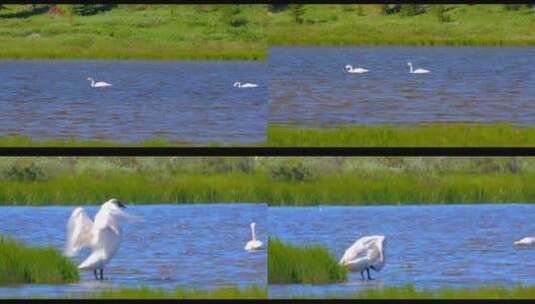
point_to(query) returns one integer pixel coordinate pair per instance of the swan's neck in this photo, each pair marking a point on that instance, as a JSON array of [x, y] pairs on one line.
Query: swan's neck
[[238, 84], [92, 82], [410, 67], [253, 234]]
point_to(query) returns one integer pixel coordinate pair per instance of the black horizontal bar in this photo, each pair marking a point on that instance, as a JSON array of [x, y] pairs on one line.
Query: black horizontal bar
[[265, 151]]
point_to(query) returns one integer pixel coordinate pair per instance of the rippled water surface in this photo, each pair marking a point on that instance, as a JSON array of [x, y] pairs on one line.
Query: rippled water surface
[[191, 246], [309, 86], [174, 100], [458, 246]]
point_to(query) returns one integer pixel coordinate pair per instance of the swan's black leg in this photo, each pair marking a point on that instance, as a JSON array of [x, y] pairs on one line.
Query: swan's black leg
[[102, 274], [362, 274], [368, 271], [95, 273]]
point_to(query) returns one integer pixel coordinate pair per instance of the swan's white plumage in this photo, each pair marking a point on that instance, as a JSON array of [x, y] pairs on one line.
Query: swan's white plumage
[[79, 235], [366, 252], [103, 235], [239, 85], [527, 241], [417, 71], [350, 69], [98, 84], [253, 244]]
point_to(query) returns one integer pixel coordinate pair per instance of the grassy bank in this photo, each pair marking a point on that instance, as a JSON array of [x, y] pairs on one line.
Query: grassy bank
[[134, 32], [299, 181], [409, 292], [291, 264], [424, 25], [232, 292], [425, 135], [22, 264]]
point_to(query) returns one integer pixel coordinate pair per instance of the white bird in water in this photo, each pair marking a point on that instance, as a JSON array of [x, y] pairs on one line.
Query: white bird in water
[[239, 85], [350, 69], [253, 244], [417, 71], [98, 84], [526, 242], [103, 235], [365, 254]]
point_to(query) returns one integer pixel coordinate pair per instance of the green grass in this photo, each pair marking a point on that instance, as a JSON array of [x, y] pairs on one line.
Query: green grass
[[298, 181], [409, 292], [311, 264], [424, 135], [344, 25], [231, 292], [23, 264], [135, 32]]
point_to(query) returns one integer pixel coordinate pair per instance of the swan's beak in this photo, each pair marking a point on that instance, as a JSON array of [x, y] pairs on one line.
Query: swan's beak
[[121, 205]]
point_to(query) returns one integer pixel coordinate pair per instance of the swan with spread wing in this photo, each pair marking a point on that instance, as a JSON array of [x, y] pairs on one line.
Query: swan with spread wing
[[103, 235]]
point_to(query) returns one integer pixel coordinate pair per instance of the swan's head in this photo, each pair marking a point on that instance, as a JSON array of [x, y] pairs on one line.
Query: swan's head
[[253, 224], [409, 63], [89, 78], [237, 84], [349, 67], [113, 205]]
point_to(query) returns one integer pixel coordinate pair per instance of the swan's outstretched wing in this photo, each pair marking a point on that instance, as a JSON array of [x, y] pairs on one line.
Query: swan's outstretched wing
[[79, 234]]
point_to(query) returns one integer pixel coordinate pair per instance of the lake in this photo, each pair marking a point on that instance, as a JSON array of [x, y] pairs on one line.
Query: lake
[[192, 246], [185, 101], [309, 86], [457, 246]]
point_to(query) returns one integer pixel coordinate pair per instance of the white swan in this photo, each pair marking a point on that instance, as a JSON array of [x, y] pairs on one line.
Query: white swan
[[98, 84], [526, 242], [103, 235], [350, 69], [253, 244], [245, 85], [417, 71], [365, 254]]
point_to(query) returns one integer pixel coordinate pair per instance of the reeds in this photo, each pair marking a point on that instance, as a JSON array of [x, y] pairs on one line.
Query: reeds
[[310, 264]]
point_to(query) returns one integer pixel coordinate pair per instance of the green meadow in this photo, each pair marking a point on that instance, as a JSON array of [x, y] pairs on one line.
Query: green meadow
[[310, 264], [297, 181], [409, 292], [131, 31], [231, 292], [23, 264], [424, 135], [409, 24]]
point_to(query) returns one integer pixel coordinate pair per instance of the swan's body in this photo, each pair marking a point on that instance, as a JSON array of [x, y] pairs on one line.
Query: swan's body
[[365, 254], [417, 71], [527, 241], [98, 84], [240, 85], [253, 244], [103, 235], [350, 69]]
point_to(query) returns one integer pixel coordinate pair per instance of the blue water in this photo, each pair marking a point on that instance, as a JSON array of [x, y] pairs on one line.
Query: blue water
[[309, 86], [174, 100], [192, 246], [458, 246]]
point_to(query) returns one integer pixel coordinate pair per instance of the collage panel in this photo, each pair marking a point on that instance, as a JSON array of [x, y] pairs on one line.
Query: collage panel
[[403, 228], [133, 75], [397, 75], [130, 227]]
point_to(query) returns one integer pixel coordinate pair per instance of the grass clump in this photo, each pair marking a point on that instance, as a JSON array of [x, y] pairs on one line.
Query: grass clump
[[23, 264], [291, 264], [424, 135], [409, 292], [230, 292]]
